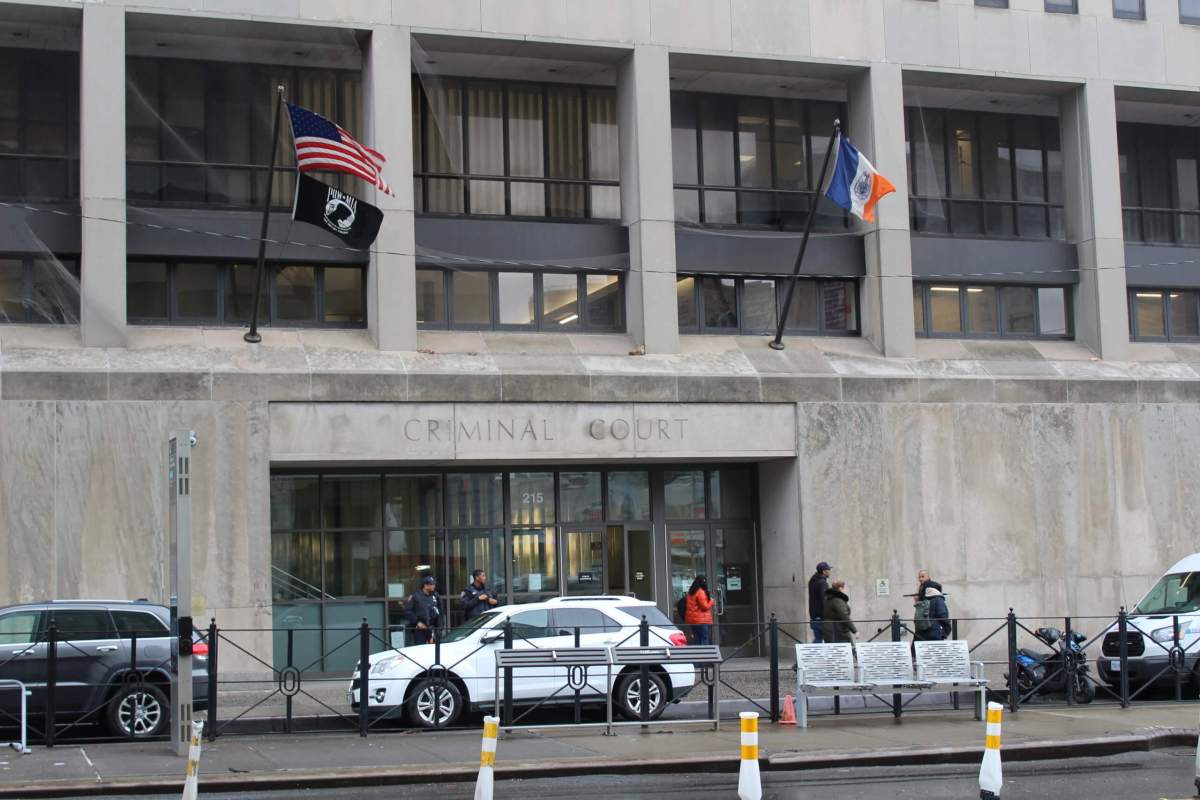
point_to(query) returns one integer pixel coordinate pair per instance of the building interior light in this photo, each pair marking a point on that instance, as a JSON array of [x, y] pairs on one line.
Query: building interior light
[[566, 320], [974, 290], [943, 288], [746, 157], [1150, 295]]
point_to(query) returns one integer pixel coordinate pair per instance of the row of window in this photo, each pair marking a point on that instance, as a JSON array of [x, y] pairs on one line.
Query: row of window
[[42, 289], [1015, 312], [1189, 10], [1160, 182], [39, 125], [465, 299], [730, 305], [198, 293], [1164, 315]]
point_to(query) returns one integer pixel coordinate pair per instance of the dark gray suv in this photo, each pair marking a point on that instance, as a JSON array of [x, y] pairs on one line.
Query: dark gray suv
[[97, 679]]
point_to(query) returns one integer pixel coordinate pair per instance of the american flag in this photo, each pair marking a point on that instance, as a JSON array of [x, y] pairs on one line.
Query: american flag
[[323, 146]]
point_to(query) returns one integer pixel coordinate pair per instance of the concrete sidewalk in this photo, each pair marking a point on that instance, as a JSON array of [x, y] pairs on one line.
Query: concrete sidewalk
[[307, 761]]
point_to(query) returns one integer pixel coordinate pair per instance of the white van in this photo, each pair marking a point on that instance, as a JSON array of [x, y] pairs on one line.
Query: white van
[[1151, 632]]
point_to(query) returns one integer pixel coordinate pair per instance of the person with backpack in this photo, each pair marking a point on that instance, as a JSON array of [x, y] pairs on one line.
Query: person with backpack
[[697, 610], [931, 615]]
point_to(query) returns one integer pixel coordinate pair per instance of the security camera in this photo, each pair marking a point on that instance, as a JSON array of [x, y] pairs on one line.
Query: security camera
[[192, 438]]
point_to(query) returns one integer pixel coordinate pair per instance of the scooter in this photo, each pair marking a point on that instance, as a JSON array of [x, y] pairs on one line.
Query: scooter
[[1044, 674]]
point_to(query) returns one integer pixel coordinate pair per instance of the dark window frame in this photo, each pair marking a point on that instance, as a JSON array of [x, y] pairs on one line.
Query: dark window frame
[[30, 73], [540, 324], [1131, 303], [1129, 139], [1062, 6], [926, 331], [422, 174], [1138, 15], [949, 200], [781, 283], [701, 188], [225, 270], [29, 264]]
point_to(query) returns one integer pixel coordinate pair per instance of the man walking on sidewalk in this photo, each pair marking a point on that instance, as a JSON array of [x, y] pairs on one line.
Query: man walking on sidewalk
[[818, 584]]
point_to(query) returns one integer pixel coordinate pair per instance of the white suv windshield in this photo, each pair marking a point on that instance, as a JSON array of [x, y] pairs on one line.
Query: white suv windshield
[[1173, 594], [467, 628]]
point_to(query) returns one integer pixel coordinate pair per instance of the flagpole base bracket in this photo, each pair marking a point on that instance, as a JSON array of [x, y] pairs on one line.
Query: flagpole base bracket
[[774, 345], [252, 338]]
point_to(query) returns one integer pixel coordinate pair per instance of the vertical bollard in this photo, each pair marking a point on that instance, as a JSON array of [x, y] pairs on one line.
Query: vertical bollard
[[897, 699], [51, 680], [1014, 693], [487, 759], [773, 641], [990, 777], [1068, 662], [191, 783], [1177, 668], [508, 676], [749, 780], [954, 635], [1123, 652], [137, 698], [212, 678], [644, 683], [364, 672]]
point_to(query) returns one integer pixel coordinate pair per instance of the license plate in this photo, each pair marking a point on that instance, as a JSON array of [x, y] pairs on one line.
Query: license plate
[[1115, 665]]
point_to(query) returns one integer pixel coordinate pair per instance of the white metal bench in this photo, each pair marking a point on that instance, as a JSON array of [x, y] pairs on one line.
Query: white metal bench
[[888, 665], [826, 669], [947, 665]]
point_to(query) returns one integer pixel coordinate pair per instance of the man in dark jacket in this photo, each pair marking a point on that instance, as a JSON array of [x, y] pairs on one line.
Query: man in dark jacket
[[838, 625], [931, 615], [422, 612], [817, 586], [477, 597]]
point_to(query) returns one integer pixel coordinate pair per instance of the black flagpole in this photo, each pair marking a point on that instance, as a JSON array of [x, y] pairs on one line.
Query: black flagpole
[[252, 335], [777, 344]]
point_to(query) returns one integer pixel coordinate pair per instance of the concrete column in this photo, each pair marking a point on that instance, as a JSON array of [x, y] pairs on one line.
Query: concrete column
[[784, 563], [1092, 177], [648, 197], [876, 126], [391, 278], [102, 175]]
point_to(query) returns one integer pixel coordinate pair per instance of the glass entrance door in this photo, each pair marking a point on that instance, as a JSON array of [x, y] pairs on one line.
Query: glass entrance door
[[726, 555]]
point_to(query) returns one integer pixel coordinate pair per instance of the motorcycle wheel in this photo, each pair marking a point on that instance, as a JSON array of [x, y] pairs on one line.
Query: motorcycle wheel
[[1085, 690]]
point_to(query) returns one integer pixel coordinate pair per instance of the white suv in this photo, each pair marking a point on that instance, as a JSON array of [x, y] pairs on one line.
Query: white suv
[[401, 677]]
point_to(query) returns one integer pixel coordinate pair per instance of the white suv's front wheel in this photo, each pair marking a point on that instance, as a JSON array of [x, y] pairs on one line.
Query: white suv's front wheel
[[629, 696], [434, 705]]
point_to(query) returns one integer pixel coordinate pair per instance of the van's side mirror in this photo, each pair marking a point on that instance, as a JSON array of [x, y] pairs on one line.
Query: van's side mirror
[[492, 638]]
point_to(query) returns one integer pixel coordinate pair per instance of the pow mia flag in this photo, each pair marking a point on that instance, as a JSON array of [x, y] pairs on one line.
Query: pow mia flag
[[354, 222]]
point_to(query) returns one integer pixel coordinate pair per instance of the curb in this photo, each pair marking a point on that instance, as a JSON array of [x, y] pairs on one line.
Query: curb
[[341, 778]]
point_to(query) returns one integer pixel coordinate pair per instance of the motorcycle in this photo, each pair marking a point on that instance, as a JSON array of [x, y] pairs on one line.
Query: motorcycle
[[1044, 674]]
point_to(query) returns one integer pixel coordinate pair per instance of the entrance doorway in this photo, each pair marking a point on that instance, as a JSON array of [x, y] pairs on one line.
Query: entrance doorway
[[726, 555], [609, 559]]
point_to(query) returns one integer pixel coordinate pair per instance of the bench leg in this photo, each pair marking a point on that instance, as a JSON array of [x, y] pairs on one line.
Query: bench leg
[[801, 710], [980, 702]]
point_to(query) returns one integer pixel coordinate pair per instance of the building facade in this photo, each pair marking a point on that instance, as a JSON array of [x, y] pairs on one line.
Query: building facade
[[552, 364]]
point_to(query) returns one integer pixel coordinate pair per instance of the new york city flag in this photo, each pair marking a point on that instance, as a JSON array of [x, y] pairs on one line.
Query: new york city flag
[[854, 184]]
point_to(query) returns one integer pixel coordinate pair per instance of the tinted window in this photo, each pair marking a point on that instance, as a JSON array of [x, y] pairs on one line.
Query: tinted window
[[531, 624], [82, 624], [18, 627], [588, 620], [139, 623], [652, 614]]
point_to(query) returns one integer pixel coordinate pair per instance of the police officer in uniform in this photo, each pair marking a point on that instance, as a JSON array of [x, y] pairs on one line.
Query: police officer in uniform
[[477, 597]]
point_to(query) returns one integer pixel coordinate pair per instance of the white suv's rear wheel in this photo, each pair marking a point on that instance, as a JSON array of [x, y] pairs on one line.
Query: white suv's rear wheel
[[629, 696], [421, 704]]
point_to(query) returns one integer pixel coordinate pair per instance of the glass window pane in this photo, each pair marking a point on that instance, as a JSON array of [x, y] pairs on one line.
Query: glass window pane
[[487, 197], [444, 195], [629, 495], [351, 501], [604, 158], [305, 620], [183, 110], [296, 294], [1183, 168], [759, 314], [604, 302], [1129, 9], [1031, 221], [296, 566], [469, 551], [930, 216], [685, 296], [142, 624], [566, 200], [581, 500], [731, 494], [531, 498], [720, 303], [81, 624], [754, 141], [838, 312], [475, 499], [716, 123], [565, 145], [1189, 12], [1128, 164], [944, 312], [1052, 312], [431, 297], [53, 291], [295, 502], [411, 555], [344, 294], [485, 131], [1054, 160], [964, 156], [1148, 311], [525, 131], [472, 298], [1018, 302], [981, 310], [996, 157], [196, 291], [1027, 141], [354, 564], [534, 564], [527, 199], [239, 293], [19, 627], [999, 219], [145, 289], [683, 138], [443, 127], [791, 162], [1183, 314], [928, 152], [802, 314], [687, 206], [919, 308], [516, 298], [584, 573], [560, 300], [532, 624], [758, 208], [412, 501], [684, 494], [967, 218], [12, 290], [720, 208], [606, 202]]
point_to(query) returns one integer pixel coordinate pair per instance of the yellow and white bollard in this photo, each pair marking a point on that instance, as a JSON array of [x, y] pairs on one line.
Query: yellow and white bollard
[[990, 779], [749, 780], [191, 784], [487, 759]]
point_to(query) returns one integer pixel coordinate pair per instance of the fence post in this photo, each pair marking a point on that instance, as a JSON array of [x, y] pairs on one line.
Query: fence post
[[133, 672], [1014, 691], [51, 680], [364, 673], [897, 699], [578, 692], [1068, 662], [954, 696], [508, 676], [213, 633], [1123, 652], [644, 699], [1177, 668], [439, 680], [287, 700], [773, 640]]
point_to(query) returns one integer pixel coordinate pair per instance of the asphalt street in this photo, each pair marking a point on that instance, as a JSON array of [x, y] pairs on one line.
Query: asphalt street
[[1159, 775]]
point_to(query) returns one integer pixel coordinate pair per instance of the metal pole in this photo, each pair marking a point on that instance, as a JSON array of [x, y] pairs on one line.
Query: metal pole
[[578, 704], [508, 676], [364, 672], [213, 633], [1068, 662], [1123, 653], [1176, 668], [777, 344], [252, 335], [954, 635], [1014, 693], [897, 698], [51, 679], [287, 701], [179, 449], [137, 698], [439, 682], [644, 699], [773, 642]]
